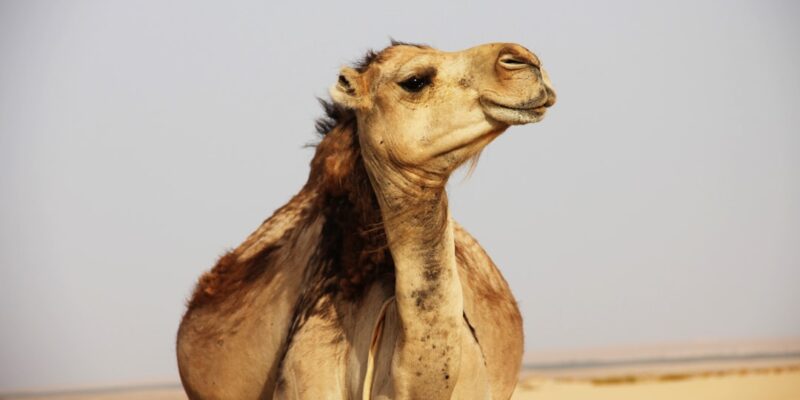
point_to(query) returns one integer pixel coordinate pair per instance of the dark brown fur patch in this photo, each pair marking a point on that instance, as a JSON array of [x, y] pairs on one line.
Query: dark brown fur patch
[[353, 245]]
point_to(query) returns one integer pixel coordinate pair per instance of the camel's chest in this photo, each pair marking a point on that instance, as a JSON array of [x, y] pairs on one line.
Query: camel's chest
[[327, 356]]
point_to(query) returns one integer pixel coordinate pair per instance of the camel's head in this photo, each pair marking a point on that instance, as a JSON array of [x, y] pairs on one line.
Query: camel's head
[[422, 109]]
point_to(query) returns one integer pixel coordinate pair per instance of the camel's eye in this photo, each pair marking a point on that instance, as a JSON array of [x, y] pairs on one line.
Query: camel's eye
[[415, 83]]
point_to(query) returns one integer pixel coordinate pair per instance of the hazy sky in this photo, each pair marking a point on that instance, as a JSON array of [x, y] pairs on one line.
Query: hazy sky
[[659, 200]]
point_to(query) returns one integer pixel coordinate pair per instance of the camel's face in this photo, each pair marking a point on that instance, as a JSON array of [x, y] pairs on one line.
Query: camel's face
[[424, 108]]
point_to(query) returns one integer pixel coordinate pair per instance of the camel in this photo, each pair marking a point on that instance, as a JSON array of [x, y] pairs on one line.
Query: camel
[[362, 285]]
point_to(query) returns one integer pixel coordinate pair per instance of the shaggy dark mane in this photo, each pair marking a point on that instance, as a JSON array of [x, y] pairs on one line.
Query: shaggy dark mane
[[368, 59], [334, 115], [353, 252]]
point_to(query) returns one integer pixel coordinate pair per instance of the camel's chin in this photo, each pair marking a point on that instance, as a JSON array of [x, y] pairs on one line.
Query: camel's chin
[[513, 116]]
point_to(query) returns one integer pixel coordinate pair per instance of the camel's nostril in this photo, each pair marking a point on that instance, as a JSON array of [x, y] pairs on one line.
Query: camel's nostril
[[512, 62]]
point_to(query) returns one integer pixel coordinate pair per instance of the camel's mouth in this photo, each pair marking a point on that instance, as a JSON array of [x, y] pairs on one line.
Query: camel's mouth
[[540, 109], [515, 114]]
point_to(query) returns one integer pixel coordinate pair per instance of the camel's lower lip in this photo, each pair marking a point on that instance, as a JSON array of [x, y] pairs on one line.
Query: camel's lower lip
[[535, 110], [513, 115]]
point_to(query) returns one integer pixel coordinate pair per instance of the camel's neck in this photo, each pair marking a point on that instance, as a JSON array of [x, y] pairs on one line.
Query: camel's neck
[[428, 291]]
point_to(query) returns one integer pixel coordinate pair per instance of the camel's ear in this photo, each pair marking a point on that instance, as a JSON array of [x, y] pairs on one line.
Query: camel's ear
[[350, 90]]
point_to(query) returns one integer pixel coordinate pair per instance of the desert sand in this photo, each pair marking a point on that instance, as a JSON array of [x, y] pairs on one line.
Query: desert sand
[[764, 384], [758, 370], [751, 385]]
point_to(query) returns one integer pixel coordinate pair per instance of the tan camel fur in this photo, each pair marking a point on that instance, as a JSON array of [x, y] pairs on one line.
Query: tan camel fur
[[291, 313]]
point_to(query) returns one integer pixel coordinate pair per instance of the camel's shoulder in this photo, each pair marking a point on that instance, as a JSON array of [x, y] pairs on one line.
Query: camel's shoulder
[[492, 311]]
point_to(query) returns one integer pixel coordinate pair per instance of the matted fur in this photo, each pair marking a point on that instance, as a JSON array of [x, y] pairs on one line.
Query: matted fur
[[353, 241]]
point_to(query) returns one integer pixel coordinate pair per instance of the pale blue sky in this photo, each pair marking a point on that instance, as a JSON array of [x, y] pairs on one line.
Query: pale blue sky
[[658, 202]]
